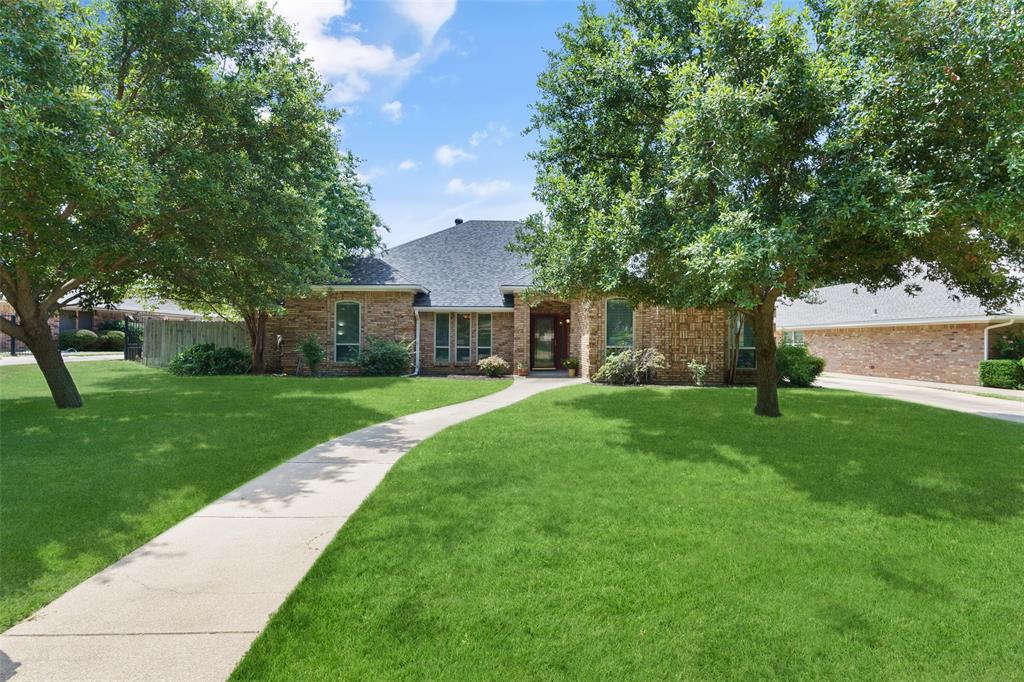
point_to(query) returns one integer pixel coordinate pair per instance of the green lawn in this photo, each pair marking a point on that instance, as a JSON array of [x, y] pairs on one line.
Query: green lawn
[[601, 533], [81, 488]]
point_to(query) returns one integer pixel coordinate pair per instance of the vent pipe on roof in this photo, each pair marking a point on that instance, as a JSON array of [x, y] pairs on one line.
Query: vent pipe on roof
[[458, 221]]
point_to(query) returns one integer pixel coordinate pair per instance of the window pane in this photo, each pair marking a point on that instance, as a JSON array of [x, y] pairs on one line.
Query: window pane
[[462, 354], [619, 324], [747, 335], [346, 323], [441, 323], [441, 355], [483, 335], [746, 358], [462, 331], [346, 353]]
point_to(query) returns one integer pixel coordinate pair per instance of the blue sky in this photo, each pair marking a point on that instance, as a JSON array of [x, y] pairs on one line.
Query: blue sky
[[436, 95]]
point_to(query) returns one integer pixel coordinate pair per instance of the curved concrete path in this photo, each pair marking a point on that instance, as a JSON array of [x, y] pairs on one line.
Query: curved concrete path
[[188, 604]]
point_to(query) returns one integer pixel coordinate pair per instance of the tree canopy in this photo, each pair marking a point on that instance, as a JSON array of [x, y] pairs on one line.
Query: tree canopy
[[164, 141], [714, 154]]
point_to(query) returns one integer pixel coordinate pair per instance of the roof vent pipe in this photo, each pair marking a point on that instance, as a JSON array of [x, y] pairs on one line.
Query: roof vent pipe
[[458, 221]]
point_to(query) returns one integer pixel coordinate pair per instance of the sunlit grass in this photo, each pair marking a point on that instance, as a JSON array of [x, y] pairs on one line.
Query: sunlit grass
[[595, 533], [81, 488]]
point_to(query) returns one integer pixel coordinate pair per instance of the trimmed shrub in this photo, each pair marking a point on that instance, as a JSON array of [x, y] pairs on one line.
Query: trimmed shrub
[[384, 357], [111, 340], [206, 359], [630, 366], [110, 325], [797, 366], [312, 352], [1001, 373], [77, 339], [494, 366]]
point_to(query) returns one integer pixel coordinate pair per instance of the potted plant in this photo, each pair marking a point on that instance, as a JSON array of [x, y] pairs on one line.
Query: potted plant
[[521, 369], [571, 364]]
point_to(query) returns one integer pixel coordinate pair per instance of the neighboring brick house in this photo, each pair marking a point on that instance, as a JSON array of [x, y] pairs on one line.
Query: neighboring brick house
[[459, 295], [931, 336]]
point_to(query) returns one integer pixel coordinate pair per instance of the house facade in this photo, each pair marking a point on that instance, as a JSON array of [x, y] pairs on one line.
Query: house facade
[[459, 295], [934, 335]]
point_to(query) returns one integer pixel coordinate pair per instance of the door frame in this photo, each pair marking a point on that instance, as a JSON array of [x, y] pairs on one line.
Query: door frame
[[561, 340]]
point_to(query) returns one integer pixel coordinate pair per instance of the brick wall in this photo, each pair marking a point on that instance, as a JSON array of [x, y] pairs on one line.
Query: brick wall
[[501, 343], [948, 353], [384, 314]]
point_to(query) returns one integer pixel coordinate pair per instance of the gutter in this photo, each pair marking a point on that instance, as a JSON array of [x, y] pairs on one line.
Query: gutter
[[995, 326]]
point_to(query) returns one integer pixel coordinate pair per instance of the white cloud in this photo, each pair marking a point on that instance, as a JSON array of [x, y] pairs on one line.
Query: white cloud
[[371, 174], [393, 110], [408, 165], [497, 133], [428, 15], [446, 155], [480, 190], [345, 61]]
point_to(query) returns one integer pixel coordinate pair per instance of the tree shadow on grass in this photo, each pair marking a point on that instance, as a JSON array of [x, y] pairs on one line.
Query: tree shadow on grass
[[82, 488], [838, 448]]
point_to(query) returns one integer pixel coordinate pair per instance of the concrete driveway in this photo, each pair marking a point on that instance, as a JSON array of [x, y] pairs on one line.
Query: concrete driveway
[[947, 396]]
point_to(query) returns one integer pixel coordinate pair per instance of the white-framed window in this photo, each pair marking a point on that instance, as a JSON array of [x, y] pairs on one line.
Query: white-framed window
[[618, 325], [347, 323], [442, 338], [746, 357], [483, 335], [793, 339], [463, 333]]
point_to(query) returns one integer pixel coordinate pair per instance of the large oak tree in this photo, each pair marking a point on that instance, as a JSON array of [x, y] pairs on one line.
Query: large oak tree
[[711, 153], [152, 139]]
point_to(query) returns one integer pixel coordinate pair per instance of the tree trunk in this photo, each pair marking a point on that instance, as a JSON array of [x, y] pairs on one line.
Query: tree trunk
[[256, 324], [40, 341], [767, 373]]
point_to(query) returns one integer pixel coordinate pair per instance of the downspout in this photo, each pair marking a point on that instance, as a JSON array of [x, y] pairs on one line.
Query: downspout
[[994, 326], [416, 367]]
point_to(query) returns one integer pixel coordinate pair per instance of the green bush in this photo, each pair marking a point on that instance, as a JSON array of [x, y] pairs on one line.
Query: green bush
[[207, 359], [797, 366], [312, 352], [1011, 346], [1001, 373], [110, 325], [630, 366], [112, 340], [384, 357], [494, 366], [77, 339]]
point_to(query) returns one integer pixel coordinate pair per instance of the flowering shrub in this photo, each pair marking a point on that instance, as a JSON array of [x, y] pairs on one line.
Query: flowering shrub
[[630, 366], [494, 366]]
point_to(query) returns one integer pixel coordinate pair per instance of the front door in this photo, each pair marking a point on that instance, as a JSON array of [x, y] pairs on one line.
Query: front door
[[543, 346]]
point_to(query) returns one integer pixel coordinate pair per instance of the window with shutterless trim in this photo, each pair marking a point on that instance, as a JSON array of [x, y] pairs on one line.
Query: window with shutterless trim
[[347, 321], [483, 335], [746, 356], [442, 338], [793, 339], [618, 325], [462, 336]]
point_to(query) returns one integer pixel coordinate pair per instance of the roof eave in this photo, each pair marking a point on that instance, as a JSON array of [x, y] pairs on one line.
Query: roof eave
[[900, 323], [371, 287]]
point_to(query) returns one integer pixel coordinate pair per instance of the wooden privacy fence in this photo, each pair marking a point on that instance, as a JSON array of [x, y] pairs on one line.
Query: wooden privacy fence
[[163, 339]]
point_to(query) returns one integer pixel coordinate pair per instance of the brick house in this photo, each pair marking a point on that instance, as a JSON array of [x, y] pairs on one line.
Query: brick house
[[931, 336], [459, 295]]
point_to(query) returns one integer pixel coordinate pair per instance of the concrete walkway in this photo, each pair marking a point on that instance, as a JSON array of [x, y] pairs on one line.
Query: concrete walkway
[[27, 358], [939, 395], [188, 604]]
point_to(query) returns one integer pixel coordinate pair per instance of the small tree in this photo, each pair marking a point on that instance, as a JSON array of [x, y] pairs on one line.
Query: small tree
[[704, 153], [312, 352]]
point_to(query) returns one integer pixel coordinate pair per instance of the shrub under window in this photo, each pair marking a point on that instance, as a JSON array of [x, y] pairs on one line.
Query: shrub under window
[[797, 366], [630, 366], [384, 357]]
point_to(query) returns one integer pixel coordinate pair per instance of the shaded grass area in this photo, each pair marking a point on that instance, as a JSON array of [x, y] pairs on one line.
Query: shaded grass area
[[602, 533], [81, 488]]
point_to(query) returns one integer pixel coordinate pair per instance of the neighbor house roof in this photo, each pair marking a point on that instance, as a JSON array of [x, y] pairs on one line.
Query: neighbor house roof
[[846, 305], [464, 266]]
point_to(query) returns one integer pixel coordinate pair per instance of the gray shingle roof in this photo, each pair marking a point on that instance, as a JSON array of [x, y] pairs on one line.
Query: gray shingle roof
[[462, 266], [850, 305]]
